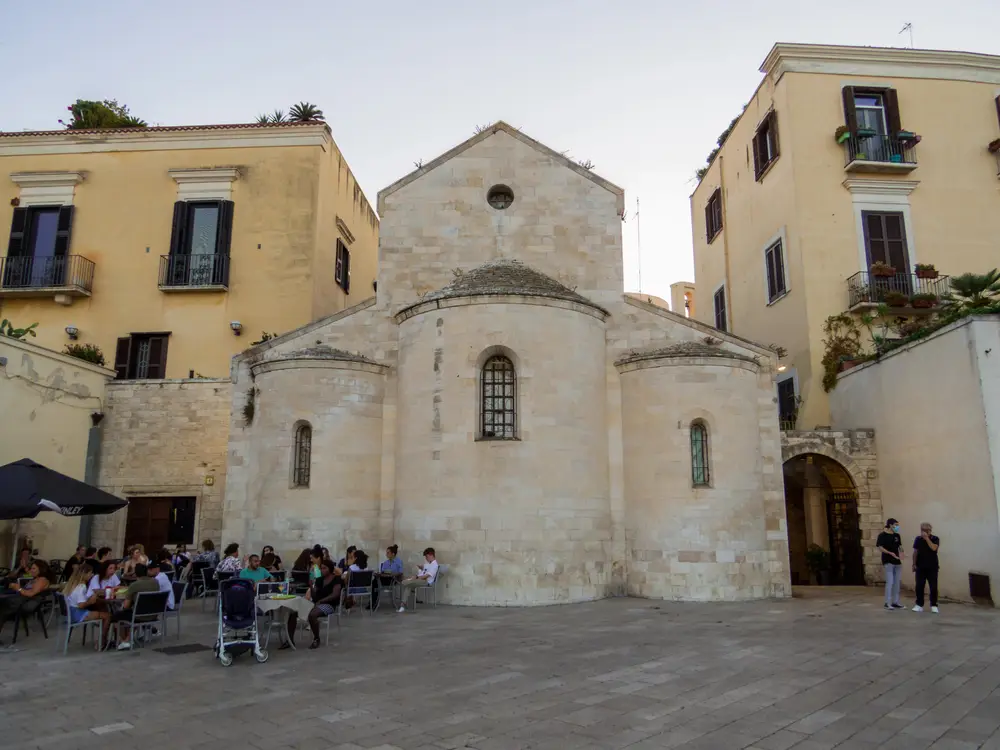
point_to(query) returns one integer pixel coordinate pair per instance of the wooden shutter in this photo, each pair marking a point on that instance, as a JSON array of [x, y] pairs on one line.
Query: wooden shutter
[[779, 269], [157, 357], [17, 245], [338, 268], [758, 156], [892, 111], [997, 102], [772, 278], [347, 270], [874, 238], [708, 220], [772, 134], [224, 237], [178, 233], [895, 242], [122, 352], [64, 226], [850, 113]]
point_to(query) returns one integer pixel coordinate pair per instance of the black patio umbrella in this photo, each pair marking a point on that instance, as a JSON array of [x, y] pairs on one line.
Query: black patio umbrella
[[27, 488]]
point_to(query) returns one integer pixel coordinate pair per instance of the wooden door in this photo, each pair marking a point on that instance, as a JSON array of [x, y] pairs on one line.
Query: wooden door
[[181, 524], [148, 522]]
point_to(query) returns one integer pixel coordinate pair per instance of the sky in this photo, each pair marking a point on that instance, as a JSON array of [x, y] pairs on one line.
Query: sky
[[642, 88]]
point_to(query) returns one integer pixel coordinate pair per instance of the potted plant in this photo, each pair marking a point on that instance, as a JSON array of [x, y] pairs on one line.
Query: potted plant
[[906, 135], [924, 300], [818, 562], [884, 270], [866, 132], [994, 146], [842, 133], [896, 299], [926, 271]]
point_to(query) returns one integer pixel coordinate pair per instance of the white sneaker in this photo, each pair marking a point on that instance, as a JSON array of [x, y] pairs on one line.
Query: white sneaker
[[934, 610], [124, 646], [401, 610], [917, 608]]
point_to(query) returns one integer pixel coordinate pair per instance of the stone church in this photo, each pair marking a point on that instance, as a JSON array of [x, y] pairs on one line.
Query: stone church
[[501, 399]]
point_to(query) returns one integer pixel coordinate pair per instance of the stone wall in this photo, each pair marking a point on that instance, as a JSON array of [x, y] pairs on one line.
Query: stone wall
[[855, 451], [165, 438]]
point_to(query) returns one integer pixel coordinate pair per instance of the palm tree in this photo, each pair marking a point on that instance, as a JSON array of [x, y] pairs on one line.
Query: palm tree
[[974, 290], [263, 119], [305, 112], [278, 116]]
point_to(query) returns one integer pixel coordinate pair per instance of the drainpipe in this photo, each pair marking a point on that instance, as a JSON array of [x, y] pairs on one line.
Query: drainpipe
[[725, 242], [90, 472]]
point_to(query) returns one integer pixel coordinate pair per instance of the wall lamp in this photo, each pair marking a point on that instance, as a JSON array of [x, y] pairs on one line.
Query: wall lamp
[[782, 368], [72, 331], [237, 327]]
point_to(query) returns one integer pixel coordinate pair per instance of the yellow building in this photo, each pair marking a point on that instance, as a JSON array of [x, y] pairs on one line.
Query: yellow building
[[822, 176], [173, 248]]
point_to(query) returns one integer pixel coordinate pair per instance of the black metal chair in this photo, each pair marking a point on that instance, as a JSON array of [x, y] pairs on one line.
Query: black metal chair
[[147, 610], [300, 581], [359, 586], [33, 606]]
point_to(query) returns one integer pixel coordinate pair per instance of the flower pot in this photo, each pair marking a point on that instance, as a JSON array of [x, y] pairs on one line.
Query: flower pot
[[896, 300], [823, 577], [862, 156], [905, 135], [930, 274], [896, 158], [924, 304], [847, 364], [844, 137], [883, 273]]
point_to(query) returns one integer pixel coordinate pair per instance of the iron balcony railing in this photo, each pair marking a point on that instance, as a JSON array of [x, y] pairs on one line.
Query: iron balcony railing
[[180, 271], [47, 272], [867, 288], [887, 149]]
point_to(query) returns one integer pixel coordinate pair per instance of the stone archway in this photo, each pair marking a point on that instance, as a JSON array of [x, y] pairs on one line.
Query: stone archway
[[852, 452]]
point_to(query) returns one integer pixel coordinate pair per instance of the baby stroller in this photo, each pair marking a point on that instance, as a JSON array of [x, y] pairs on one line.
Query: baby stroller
[[238, 621]]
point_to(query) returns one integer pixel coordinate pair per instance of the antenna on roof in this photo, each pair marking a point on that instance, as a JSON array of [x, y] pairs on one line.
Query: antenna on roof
[[638, 242], [908, 27]]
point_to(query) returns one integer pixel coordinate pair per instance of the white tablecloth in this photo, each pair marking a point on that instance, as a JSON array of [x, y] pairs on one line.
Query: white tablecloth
[[299, 604]]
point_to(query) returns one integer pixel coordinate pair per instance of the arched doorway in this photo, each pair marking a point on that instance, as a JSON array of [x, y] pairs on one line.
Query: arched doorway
[[821, 507]]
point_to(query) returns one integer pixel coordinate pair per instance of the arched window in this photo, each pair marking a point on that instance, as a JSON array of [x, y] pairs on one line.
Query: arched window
[[302, 455], [699, 454], [498, 398]]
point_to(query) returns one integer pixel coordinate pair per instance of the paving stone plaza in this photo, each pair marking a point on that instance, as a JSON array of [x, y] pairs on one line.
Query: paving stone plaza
[[827, 669]]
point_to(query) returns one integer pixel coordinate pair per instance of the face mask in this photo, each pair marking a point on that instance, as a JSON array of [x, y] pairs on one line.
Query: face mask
[[896, 528]]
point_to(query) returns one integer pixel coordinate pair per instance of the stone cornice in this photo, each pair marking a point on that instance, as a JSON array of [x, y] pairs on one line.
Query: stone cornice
[[303, 363], [499, 299], [47, 179], [882, 62], [863, 186], [204, 174], [643, 363]]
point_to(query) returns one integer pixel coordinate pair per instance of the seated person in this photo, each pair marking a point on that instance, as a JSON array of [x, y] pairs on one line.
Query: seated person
[[142, 584], [255, 571], [344, 561], [103, 553], [136, 556], [75, 559], [426, 575], [180, 558], [23, 567], [231, 562], [163, 557], [79, 595], [325, 593], [106, 577], [272, 563], [41, 579], [392, 565], [358, 562], [163, 583]]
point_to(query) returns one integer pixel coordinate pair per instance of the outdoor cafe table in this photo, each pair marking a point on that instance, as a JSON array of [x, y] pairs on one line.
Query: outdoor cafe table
[[283, 607]]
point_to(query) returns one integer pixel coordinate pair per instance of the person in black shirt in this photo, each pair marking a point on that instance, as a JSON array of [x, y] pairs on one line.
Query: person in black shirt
[[925, 566], [78, 557], [890, 544]]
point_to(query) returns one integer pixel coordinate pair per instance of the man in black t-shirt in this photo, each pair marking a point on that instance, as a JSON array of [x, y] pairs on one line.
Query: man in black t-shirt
[[925, 566], [890, 544]]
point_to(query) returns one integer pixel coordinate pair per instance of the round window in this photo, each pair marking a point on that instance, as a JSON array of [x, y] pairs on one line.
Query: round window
[[500, 197]]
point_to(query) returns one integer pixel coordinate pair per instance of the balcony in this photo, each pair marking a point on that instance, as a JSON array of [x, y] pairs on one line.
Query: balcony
[[867, 291], [194, 273], [881, 154], [62, 277]]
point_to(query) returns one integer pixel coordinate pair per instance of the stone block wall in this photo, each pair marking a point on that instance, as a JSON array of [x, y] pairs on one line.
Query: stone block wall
[[165, 438]]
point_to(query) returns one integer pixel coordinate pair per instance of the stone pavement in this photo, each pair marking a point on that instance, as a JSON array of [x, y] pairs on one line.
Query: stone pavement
[[820, 671]]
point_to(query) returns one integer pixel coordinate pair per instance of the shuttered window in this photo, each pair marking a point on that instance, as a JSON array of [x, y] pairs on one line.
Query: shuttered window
[[872, 99], [713, 215], [342, 272], [202, 228], [765, 145], [719, 300], [774, 265], [141, 356], [885, 239]]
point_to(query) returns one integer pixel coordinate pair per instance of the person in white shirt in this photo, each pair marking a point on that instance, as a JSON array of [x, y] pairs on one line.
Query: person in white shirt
[[162, 581], [105, 578], [426, 575], [77, 594]]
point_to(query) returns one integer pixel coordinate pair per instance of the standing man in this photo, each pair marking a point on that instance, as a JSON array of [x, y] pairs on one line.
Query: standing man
[[890, 545], [925, 566]]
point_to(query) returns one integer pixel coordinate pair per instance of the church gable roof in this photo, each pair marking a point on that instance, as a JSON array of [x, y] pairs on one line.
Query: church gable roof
[[684, 350], [500, 127], [506, 278]]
